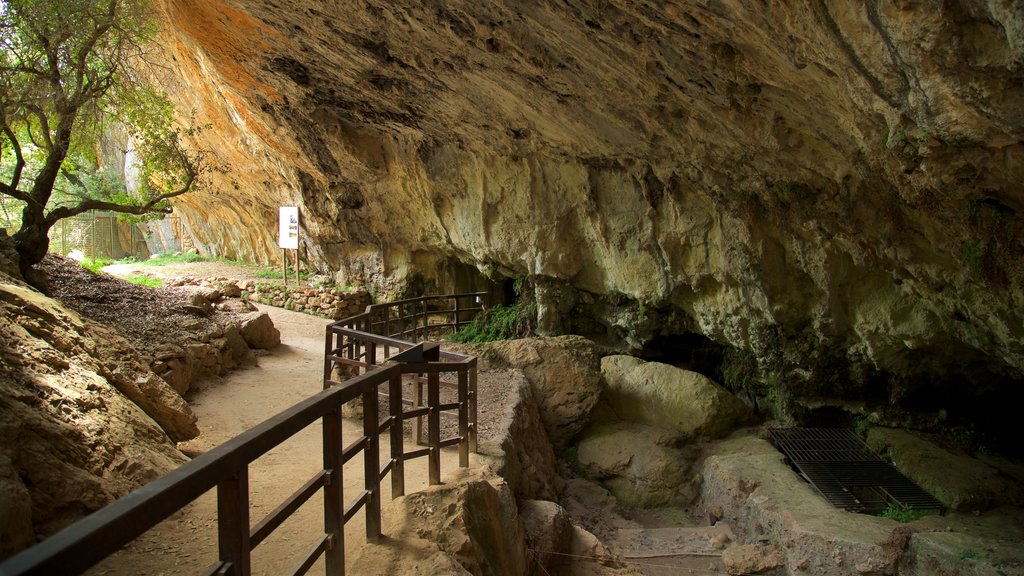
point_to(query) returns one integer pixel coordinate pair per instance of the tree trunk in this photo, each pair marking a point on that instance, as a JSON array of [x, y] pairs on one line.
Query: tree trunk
[[32, 243]]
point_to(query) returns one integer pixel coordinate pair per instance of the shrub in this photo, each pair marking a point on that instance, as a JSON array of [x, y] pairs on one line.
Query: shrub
[[500, 323]]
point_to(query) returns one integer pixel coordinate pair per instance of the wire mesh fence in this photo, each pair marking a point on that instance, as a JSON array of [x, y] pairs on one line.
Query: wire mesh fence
[[101, 234]]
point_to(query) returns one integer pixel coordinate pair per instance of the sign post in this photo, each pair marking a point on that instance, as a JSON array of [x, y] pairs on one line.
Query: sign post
[[288, 238]]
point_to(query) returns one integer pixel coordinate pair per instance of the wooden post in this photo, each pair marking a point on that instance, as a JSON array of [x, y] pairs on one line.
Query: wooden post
[[334, 497], [417, 383], [371, 463], [472, 408], [434, 428], [463, 418], [397, 436], [298, 265], [284, 262], [328, 351], [233, 522]]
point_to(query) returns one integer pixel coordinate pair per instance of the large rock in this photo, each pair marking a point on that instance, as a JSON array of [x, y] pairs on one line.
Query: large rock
[[564, 375], [259, 331], [83, 423], [748, 484], [663, 395], [956, 479], [637, 464], [547, 530], [523, 454]]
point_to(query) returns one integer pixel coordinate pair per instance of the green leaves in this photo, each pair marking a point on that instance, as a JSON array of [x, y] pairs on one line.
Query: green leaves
[[81, 126]]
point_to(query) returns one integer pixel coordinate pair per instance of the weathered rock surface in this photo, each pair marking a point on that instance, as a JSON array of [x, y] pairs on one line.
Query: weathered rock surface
[[639, 464], [83, 423], [525, 458], [831, 187], [258, 330], [748, 484], [547, 530], [564, 375], [956, 479], [665, 396]]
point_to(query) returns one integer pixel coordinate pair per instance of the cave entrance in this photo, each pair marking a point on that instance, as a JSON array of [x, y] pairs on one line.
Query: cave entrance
[[689, 351]]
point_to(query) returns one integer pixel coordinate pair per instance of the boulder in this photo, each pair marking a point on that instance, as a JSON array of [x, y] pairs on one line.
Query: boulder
[[663, 395], [16, 505], [955, 478], [637, 464], [231, 290], [564, 375], [259, 332], [234, 347], [82, 422], [752, 559], [524, 456], [547, 530]]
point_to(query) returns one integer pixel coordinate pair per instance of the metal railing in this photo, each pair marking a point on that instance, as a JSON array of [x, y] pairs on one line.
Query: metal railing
[[226, 466]]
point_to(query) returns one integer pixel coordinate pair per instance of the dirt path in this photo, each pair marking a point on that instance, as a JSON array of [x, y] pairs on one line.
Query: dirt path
[[186, 543]]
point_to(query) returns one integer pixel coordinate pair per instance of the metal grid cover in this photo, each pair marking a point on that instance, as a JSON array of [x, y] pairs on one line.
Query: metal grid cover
[[847, 473]]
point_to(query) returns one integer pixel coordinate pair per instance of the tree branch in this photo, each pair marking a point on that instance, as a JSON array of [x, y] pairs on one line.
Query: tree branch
[[93, 204], [19, 163], [14, 193]]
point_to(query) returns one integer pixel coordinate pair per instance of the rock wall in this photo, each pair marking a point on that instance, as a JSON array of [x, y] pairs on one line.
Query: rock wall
[[831, 188], [83, 422]]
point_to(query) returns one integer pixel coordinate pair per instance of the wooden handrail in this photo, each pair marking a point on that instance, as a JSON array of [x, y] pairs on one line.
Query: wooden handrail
[[225, 467]]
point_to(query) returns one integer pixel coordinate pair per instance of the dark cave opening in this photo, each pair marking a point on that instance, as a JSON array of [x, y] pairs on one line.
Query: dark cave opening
[[689, 351]]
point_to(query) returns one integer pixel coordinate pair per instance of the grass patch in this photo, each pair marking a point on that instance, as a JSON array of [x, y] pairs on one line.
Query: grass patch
[[95, 265], [902, 513], [165, 259], [143, 280]]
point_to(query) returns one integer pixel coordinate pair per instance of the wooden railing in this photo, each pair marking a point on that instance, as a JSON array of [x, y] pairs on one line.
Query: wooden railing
[[226, 466], [361, 342]]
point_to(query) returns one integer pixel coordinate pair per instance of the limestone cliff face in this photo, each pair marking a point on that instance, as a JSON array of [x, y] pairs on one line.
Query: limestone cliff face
[[833, 187]]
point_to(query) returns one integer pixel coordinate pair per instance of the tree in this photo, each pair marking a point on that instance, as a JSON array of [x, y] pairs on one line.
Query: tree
[[69, 74]]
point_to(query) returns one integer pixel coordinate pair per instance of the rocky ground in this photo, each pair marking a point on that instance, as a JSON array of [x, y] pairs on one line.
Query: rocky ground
[[148, 317]]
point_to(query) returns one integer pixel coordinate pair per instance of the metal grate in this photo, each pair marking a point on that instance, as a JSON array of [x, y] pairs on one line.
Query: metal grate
[[841, 467]]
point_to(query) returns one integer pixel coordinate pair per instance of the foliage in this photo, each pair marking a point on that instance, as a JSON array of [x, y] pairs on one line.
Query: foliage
[[144, 280], [901, 513], [499, 323], [517, 320], [861, 426], [73, 76], [95, 265]]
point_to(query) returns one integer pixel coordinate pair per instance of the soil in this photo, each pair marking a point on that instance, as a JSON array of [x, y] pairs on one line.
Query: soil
[[187, 541]]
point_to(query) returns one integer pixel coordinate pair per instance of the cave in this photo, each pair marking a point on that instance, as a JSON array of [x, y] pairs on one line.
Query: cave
[[713, 217]]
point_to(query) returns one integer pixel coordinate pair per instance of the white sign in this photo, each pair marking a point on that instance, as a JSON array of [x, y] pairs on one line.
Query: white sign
[[288, 227]]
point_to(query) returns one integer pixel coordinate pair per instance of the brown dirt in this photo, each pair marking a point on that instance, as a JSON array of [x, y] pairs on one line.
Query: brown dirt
[[186, 542]]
